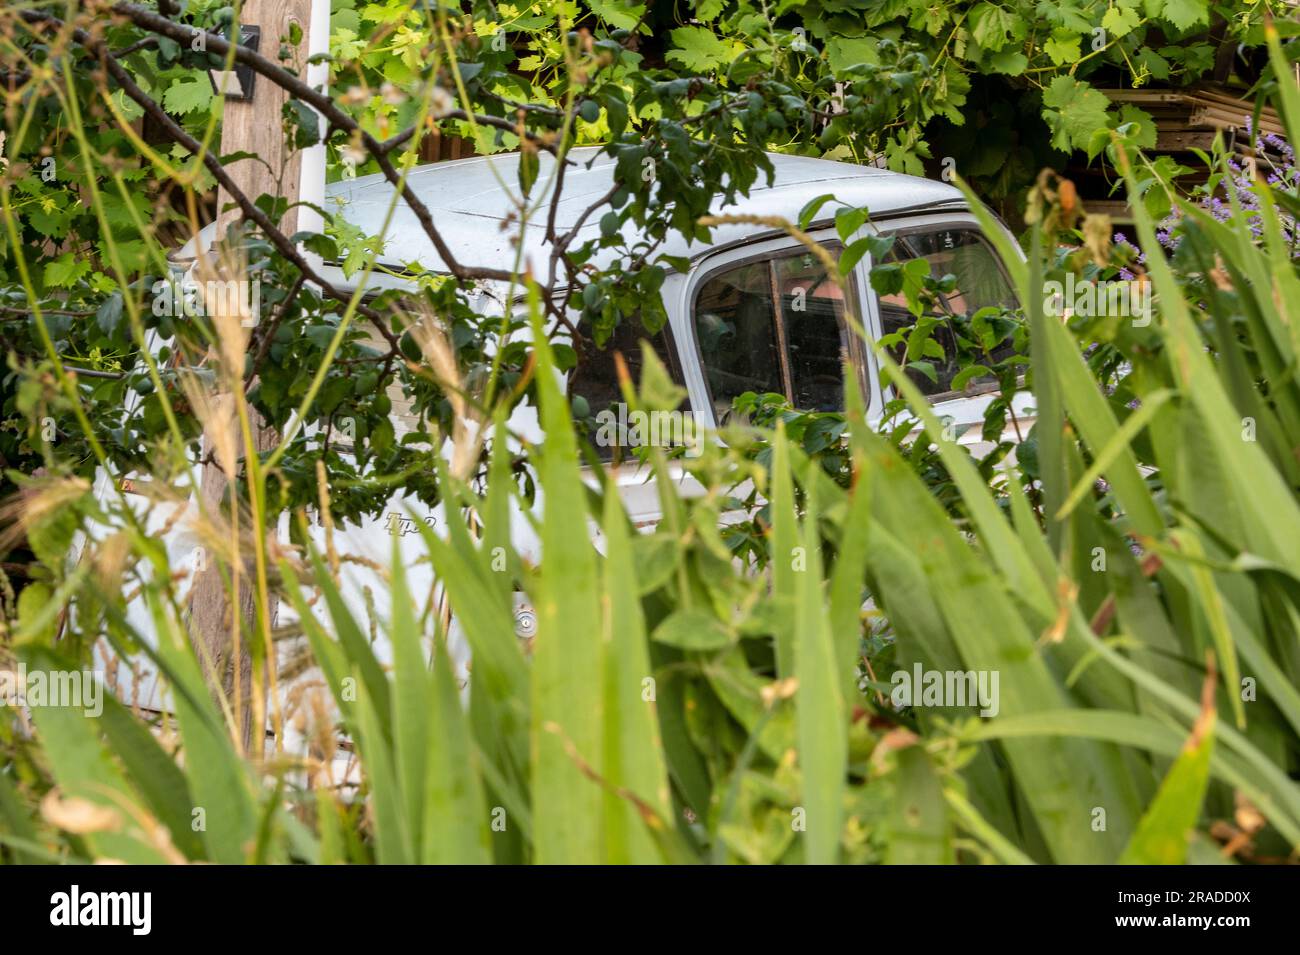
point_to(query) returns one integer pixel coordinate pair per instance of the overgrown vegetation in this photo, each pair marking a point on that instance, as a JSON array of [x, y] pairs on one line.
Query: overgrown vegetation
[[721, 687]]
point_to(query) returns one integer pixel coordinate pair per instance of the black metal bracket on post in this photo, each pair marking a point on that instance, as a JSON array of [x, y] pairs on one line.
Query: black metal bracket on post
[[237, 83]]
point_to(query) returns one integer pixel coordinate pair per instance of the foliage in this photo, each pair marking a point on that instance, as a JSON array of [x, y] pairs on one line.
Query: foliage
[[679, 705], [695, 95]]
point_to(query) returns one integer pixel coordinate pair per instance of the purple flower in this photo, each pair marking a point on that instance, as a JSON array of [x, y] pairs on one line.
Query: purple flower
[[1239, 204]]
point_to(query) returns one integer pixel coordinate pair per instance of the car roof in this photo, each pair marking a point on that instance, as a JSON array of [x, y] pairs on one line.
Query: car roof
[[470, 201]]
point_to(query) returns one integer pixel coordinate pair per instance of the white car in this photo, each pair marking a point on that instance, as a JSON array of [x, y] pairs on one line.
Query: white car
[[754, 311]]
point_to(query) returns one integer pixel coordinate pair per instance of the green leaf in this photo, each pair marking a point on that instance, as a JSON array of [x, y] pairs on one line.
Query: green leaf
[[1145, 135], [109, 314], [529, 166], [188, 95], [1063, 47], [821, 719], [784, 541], [1119, 442], [154, 773], [1008, 62], [83, 766], [634, 761], [921, 830], [1165, 830], [844, 53], [393, 845], [692, 629], [305, 123], [1185, 14], [219, 780], [1119, 20], [1073, 110], [699, 49], [66, 270], [620, 15], [455, 823], [992, 26], [567, 685], [810, 209], [411, 692]]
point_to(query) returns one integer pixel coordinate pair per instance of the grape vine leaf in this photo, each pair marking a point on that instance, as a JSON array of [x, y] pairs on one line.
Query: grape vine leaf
[[699, 49], [1073, 110], [188, 95], [1183, 13]]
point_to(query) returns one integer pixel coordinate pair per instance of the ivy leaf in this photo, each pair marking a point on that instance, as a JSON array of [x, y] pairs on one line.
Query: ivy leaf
[[345, 42], [51, 223], [129, 108], [320, 244], [1073, 110], [188, 96], [699, 49], [1065, 16], [901, 159], [65, 270], [1155, 64], [706, 10]]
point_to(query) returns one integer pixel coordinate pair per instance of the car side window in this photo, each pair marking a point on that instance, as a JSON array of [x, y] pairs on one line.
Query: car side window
[[595, 379], [817, 335], [959, 251], [736, 333], [776, 325]]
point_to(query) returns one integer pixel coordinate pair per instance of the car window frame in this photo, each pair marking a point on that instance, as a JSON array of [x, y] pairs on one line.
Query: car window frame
[[912, 225], [767, 250]]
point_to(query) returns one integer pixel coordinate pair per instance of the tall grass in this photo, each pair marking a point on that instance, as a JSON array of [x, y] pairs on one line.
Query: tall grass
[[678, 705]]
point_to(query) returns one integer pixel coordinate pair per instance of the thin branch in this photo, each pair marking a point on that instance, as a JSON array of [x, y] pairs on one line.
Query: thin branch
[[336, 117]]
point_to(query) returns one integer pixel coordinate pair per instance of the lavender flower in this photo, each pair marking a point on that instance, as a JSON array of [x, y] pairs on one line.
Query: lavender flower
[[1275, 162]]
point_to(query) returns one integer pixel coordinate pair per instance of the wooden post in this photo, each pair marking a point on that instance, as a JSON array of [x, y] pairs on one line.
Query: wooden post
[[254, 126]]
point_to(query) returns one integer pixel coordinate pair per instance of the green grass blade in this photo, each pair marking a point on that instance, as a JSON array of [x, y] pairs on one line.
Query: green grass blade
[[819, 702], [1166, 828], [567, 685], [784, 540], [411, 702], [455, 823], [633, 752]]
